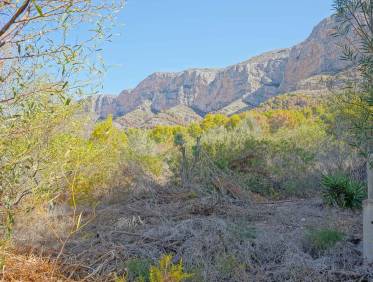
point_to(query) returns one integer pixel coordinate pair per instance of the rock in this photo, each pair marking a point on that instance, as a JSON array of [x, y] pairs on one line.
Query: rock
[[318, 54], [104, 105], [305, 67]]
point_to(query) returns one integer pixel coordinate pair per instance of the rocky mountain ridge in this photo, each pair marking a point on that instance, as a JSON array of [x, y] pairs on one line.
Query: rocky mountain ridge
[[231, 89]]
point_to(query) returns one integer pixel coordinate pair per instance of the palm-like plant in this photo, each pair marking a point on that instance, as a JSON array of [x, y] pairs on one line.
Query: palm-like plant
[[343, 192]]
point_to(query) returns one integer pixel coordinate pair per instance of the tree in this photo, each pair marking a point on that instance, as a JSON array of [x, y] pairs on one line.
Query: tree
[[38, 49], [355, 23], [46, 52]]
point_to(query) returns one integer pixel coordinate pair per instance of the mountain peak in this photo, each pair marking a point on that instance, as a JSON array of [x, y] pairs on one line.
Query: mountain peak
[[248, 83]]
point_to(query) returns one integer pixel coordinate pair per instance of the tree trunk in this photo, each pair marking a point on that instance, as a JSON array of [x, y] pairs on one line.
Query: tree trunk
[[368, 216]]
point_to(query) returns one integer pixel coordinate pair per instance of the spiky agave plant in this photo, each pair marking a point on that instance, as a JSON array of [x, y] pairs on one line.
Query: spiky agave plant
[[341, 191]]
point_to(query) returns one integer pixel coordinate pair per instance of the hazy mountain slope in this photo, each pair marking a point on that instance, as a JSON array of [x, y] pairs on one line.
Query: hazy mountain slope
[[142, 116]]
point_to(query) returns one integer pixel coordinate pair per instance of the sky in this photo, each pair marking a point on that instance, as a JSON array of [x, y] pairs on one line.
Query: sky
[[173, 35]]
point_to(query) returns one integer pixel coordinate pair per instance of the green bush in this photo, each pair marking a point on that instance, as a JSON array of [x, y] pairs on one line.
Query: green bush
[[319, 240], [138, 269], [341, 191], [230, 268]]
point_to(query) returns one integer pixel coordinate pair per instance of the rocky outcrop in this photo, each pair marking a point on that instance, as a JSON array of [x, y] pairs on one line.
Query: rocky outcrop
[[236, 87], [207, 90], [319, 54], [104, 105]]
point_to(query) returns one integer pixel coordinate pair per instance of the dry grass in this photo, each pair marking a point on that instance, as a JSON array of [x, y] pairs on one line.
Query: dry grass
[[20, 267], [219, 238]]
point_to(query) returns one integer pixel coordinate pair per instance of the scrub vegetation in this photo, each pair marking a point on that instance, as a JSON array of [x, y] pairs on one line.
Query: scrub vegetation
[[271, 194]]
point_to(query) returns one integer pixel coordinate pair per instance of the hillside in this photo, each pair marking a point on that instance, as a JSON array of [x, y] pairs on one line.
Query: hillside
[[304, 68], [258, 171]]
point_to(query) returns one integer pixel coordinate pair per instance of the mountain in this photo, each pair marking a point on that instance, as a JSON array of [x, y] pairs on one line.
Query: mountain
[[178, 97]]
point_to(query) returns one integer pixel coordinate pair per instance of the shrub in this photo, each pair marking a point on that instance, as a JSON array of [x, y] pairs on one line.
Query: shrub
[[141, 270], [343, 192], [284, 118], [84, 167], [194, 130], [214, 120], [161, 134], [233, 121], [230, 268], [167, 271], [138, 270], [319, 240]]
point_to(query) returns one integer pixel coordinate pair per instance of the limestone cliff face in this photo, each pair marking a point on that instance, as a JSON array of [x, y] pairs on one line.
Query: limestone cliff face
[[318, 54], [246, 84], [104, 105], [207, 90]]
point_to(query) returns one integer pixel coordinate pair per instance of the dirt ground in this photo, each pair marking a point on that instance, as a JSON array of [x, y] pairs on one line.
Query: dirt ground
[[217, 237]]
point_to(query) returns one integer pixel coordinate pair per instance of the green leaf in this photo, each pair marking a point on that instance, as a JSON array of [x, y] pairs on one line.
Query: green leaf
[[38, 8]]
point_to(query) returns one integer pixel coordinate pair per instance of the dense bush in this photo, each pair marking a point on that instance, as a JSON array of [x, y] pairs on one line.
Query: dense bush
[[279, 162], [45, 151], [53, 152], [278, 153], [343, 192], [56, 151]]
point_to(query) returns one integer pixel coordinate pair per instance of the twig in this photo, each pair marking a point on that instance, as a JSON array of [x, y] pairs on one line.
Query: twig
[[280, 202]]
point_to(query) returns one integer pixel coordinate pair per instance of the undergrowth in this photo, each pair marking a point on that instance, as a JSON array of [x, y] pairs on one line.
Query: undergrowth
[[140, 270], [318, 241], [341, 191]]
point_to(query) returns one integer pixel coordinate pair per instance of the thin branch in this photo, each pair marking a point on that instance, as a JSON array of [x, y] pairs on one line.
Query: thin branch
[[30, 55], [18, 13]]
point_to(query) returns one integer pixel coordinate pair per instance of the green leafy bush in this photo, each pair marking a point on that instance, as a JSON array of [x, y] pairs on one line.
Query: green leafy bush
[[319, 240], [138, 269], [343, 192]]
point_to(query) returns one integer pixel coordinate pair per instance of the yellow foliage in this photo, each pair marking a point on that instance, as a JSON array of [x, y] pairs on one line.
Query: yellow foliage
[[178, 129], [284, 118], [194, 130], [106, 132], [214, 120], [86, 165], [166, 133], [162, 134], [233, 121], [119, 279], [167, 271]]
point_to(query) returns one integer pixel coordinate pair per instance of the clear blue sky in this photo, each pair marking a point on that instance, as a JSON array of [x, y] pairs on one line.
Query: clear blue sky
[[172, 35]]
